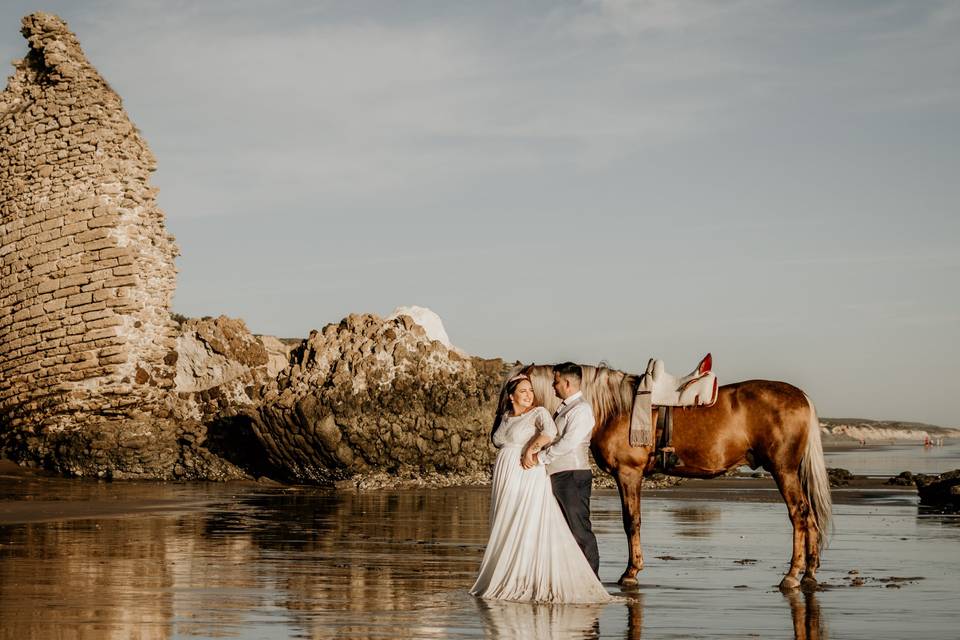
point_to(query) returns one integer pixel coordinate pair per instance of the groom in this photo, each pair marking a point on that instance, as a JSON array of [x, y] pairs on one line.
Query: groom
[[568, 458]]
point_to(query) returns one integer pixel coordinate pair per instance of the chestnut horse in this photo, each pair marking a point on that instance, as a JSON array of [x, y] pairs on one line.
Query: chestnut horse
[[764, 423]]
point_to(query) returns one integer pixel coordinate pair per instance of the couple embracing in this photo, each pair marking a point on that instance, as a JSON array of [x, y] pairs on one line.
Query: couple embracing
[[542, 547]]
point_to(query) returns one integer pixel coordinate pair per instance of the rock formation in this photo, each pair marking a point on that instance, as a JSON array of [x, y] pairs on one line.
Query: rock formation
[[222, 367], [430, 322], [941, 491], [222, 370], [98, 379], [839, 477], [371, 394]]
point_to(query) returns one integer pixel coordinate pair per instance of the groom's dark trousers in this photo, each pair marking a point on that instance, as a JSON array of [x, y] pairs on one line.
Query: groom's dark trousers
[[572, 490]]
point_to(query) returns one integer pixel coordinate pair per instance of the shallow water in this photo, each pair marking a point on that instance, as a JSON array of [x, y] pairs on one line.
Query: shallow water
[[246, 562], [891, 459]]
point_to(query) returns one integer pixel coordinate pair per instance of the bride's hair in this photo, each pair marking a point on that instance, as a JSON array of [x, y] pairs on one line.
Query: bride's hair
[[513, 381]]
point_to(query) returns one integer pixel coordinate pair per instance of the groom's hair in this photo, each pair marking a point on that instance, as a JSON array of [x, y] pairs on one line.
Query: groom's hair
[[569, 370]]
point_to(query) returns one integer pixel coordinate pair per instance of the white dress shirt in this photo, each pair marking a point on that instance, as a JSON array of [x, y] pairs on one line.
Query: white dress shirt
[[571, 451]]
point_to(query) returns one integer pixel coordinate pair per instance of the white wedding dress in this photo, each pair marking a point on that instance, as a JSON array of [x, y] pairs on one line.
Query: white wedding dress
[[531, 555]]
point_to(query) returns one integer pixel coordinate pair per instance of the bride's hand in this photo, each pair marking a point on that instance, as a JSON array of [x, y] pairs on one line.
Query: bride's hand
[[529, 460]]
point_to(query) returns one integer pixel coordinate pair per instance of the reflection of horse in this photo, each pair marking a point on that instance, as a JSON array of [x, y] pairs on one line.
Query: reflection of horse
[[770, 424], [694, 521], [805, 612]]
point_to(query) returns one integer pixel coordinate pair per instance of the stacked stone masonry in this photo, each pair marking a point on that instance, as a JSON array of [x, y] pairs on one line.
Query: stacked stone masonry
[[86, 266]]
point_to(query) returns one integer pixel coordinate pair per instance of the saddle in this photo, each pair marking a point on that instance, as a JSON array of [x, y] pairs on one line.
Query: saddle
[[657, 388]]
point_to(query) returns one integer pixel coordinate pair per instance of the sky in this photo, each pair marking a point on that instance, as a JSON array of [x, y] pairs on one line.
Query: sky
[[773, 182]]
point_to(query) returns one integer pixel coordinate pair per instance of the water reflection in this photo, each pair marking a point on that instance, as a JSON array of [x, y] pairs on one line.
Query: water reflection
[[507, 620], [805, 612], [89, 587], [253, 563], [889, 460], [310, 562], [937, 516], [695, 521], [635, 618], [300, 558]]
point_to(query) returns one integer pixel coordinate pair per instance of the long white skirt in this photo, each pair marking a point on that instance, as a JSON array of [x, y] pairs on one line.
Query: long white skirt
[[531, 555]]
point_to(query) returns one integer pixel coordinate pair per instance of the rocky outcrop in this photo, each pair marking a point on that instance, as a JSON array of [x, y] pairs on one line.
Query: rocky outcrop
[[839, 477], [97, 378], [942, 491], [430, 322], [903, 479], [222, 370], [369, 394], [222, 367]]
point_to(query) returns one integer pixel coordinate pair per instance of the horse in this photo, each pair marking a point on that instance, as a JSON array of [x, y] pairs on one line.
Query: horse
[[764, 423]]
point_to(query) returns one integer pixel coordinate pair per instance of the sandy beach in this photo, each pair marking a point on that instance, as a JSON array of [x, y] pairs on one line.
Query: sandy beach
[[252, 560]]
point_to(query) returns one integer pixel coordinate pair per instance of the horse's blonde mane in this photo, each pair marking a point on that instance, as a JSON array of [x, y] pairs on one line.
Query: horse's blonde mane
[[609, 392]]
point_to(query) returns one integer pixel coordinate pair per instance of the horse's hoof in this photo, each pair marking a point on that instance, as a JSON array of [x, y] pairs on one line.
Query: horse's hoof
[[789, 583], [626, 580], [808, 583]]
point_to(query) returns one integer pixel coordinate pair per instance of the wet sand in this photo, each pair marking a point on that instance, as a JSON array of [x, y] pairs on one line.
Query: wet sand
[[35, 496], [241, 560]]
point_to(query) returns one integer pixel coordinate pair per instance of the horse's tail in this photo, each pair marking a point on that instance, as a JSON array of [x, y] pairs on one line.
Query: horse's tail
[[814, 478]]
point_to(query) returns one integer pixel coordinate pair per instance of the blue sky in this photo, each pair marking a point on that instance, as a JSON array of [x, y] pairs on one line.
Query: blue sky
[[775, 182]]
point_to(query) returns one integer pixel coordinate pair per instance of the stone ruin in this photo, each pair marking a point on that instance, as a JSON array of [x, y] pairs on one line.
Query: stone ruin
[[98, 379], [87, 343]]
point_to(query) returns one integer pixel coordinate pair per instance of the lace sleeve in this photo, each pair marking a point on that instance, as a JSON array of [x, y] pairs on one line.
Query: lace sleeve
[[499, 438], [545, 423]]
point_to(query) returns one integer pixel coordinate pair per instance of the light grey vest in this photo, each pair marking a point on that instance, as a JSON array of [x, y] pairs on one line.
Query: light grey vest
[[579, 458]]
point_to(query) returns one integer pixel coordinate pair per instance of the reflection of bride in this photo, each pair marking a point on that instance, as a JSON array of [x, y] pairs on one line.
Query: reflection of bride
[[531, 555], [515, 620]]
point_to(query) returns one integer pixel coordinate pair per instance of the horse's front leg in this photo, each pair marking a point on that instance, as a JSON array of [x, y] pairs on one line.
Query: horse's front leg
[[630, 483]]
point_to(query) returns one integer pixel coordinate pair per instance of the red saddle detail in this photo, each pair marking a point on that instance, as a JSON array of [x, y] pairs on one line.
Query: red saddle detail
[[706, 365]]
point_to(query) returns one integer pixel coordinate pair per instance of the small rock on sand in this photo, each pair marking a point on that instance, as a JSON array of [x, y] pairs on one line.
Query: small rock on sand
[[839, 477], [904, 479]]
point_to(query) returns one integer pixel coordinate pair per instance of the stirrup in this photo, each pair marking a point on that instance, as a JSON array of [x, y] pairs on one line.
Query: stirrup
[[668, 458]]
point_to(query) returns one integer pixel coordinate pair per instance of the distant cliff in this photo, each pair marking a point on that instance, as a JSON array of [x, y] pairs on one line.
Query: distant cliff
[[855, 429]]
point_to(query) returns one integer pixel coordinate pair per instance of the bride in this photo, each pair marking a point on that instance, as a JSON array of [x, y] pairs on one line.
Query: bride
[[531, 555]]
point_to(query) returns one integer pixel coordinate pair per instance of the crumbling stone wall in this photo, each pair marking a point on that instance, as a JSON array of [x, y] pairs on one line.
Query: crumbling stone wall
[[87, 345]]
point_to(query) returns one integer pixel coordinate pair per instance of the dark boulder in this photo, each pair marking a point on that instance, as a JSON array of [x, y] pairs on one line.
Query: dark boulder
[[941, 491], [839, 477], [904, 479]]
